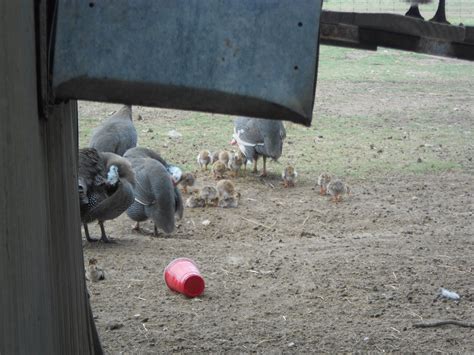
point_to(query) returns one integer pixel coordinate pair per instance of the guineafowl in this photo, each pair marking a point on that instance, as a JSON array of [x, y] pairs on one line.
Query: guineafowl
[[259, 137], [116, 134], [440, 15], [105, 183], [156, 196], [336, 188], [140, 152]]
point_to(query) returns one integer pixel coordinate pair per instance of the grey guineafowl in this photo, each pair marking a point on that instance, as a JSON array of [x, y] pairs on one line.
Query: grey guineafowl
[[156, 196], [140, 152], [106, 183], [440, 15], [259, 137], [116, 134]]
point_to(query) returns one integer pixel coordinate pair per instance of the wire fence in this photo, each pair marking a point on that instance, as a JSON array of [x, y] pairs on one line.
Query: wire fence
[[457, 11]]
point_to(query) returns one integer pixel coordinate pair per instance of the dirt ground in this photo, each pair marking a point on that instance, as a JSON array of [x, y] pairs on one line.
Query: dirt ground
[[290, 271]]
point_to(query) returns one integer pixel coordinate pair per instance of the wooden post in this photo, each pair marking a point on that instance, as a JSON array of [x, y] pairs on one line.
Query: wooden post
[[43, 303]]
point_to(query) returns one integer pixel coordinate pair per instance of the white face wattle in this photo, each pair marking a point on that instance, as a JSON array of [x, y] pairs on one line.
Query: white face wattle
[[175, 173]]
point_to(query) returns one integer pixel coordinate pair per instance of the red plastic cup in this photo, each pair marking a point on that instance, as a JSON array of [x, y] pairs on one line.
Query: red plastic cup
[[183, 276]]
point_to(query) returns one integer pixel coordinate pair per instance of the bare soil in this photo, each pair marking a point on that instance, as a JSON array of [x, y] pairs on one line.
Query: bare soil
[[291, 271]]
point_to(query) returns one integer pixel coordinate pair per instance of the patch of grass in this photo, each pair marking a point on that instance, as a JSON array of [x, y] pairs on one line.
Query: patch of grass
[[388, 65], [352, 144]]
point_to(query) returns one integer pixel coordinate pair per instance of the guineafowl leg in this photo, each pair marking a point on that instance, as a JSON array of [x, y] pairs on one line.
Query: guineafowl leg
[[414, 11], [440, 15], [264, 172], [103, 237], [255, 166], [322, 191], [136, 227], [86, 231]]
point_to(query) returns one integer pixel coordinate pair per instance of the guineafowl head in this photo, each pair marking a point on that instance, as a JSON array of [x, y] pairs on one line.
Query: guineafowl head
[[82, 188]]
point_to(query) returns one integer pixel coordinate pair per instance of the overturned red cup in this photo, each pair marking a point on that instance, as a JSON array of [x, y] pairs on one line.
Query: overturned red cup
[[183, 276]]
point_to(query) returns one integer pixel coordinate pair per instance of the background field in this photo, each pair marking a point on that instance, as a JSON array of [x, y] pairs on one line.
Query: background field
[[457, 11], [290, 271]]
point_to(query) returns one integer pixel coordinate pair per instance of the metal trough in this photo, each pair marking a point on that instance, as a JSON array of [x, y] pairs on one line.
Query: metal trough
[[242, 57]]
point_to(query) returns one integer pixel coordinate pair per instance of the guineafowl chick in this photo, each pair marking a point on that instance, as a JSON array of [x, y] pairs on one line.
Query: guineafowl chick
[[230, 202], [224, 157], [156, 196], [323, 181], [289, 176], [195, 201], [116, 134], [225, 188], [235, 163], [210, 195], [109, 193], [94, 273], [204, 159], [336, 188], [218, 170], [187, 180], [214, 157]]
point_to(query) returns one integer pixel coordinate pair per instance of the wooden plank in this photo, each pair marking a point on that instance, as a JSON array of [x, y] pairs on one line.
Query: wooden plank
[[396, 31], [342, 35], [43, 303]]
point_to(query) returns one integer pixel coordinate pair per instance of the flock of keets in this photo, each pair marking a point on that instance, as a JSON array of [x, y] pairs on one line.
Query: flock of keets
[[117, 176]]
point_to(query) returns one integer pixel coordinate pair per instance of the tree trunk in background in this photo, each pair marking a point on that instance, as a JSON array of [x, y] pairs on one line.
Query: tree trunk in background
[[43, 303]]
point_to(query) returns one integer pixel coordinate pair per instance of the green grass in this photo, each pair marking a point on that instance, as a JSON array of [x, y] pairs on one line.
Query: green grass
[[371, 140], [388, 65]]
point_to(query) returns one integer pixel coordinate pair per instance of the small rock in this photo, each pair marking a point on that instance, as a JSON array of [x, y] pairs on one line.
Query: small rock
[[419, 160], [139, 117], [206, 222], [380, 151], [114, 326], [148, 130], [372, 146], [174, 134], [290, 345]]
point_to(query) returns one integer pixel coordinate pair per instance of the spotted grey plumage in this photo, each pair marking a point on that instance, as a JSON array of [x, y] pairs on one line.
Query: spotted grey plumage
[[103, 198], [156, 196], [259, 137]]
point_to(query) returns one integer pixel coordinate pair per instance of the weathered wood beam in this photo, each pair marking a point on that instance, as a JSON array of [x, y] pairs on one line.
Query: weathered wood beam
[[43, 303], [369, 31]]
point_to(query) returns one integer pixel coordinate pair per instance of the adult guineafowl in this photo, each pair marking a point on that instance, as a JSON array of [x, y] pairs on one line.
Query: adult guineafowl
[[440, 15], [116, 134], [259, 137], [106, 183], [156, 195]]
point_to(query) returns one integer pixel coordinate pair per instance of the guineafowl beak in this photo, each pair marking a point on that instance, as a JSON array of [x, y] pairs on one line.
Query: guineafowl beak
[[83, 199], [233, 142]]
